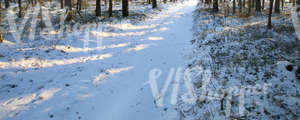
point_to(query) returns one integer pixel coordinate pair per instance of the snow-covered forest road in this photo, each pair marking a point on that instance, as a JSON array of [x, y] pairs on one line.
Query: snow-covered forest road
[[107, 82]]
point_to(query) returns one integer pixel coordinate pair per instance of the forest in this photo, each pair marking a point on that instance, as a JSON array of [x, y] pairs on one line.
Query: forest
[[149, 59]]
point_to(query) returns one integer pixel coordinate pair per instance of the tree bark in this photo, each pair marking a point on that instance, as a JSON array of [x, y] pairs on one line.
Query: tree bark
[[110, 5], [98, 7], [270, 14], [154, 3], [125, 11]]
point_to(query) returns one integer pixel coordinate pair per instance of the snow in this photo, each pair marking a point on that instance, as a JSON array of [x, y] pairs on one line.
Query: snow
[[244, 55], [69, 81]]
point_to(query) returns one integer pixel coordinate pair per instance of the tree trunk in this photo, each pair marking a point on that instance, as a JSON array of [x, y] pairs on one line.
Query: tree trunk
[[61, 4], [68, 4], [20, 8], [240, 5], [244, 3], [277, 6], [258, 6], [294, 2], [270, 14], [249, 6], [1, 40], [215, 6], [298, 8], [98, 7], [125, 11], [78, 7], [6, 3], [233, 8], [263, 4], [253, 3], [41, 13], [154, 3], [282, 4], [110, 5]]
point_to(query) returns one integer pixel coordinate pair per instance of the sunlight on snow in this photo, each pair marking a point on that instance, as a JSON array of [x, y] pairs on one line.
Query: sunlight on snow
[[138, 47], [132, 27], [155, 38], [21, 103], [111, 34], [73, 49], [163, 29], [39, 63], [109, 73]]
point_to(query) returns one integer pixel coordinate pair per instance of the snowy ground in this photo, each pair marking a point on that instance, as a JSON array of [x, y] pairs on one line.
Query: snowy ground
[[107, 82], [243, 54]]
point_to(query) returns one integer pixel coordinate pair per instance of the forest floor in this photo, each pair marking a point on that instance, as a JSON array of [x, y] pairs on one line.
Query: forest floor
[[72, 79], [245, 57], [105, 72]]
